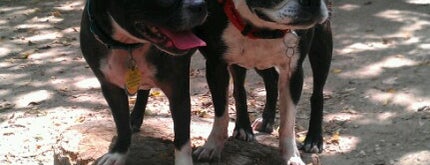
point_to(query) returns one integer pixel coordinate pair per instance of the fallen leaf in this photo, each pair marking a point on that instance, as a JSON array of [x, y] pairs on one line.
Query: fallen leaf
[[155, 93], [56, 13], [336, 71], [391, 90], [334, 139], [81, 119], [301, 139]]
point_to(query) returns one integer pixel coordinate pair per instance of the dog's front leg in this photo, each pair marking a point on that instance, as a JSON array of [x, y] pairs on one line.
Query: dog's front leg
[[118, 103], [242, 130], [176, 86], [218, 79], [139, 108], [287, 108]]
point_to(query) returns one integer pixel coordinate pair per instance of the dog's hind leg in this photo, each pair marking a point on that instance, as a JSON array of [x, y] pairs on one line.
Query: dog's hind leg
[[270, 78], [136, 117], [242, 130], [320, 58]]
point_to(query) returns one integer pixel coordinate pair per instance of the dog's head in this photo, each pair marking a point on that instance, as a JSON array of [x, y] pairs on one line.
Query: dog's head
[[283, 14], [165, 23]]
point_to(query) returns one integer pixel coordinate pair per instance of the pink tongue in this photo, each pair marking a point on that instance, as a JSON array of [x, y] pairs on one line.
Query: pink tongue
[[184, 40]]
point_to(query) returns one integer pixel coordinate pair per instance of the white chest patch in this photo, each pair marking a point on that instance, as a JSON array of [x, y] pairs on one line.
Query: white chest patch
[[260, 53], [115, 66]]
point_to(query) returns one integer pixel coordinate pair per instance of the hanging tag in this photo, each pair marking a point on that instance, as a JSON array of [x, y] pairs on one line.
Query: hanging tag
[[132, 81], [132, 77], [291, 41]]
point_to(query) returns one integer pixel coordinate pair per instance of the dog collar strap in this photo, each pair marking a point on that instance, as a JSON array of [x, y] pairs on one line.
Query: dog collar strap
[[103, 37], [247, 29]]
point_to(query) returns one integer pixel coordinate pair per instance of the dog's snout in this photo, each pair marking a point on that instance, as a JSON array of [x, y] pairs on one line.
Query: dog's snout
[[308, 3], [197, 7], [305, 2]]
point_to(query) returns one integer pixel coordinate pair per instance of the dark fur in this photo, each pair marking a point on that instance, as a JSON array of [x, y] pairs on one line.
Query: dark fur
[[172, 72], [316, 41]]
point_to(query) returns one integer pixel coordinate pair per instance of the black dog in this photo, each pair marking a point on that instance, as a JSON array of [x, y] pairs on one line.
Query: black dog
[[266, 35], [129, 46]]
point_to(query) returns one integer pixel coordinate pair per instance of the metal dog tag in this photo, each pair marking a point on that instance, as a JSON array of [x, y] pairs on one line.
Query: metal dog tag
[[291, 41]]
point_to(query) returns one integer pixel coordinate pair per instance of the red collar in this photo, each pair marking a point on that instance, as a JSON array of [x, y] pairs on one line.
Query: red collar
[[247, 29]]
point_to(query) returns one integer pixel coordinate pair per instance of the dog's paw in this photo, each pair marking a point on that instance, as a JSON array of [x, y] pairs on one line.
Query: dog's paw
[[244, 135], [313, 144], [210, 151], [183, 156], [262, 126], [112, 159], [296, 160]]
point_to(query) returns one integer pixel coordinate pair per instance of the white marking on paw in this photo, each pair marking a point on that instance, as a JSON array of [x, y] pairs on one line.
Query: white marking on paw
[[287, 112], [183, 156], [213, 147], [112, 159], [295, 161]]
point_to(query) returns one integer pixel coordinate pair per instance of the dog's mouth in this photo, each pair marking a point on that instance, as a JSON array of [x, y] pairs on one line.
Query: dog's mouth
[[292, 14], [172, 42]]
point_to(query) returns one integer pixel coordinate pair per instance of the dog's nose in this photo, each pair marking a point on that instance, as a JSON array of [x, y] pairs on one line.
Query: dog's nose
[[197, 7]]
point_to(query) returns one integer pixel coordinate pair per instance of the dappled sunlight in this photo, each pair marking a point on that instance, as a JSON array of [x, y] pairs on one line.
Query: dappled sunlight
[[401, 98], [413, 20], [14, 8], [376, 98], [419, 157], [70, 6], [376, 69], [346, 143], [424, 46], [362, 47], [348, 7], [3, 52], [47, 35], [35, 96], [58, 53], [421, 2], [347, 115], [87, 83]]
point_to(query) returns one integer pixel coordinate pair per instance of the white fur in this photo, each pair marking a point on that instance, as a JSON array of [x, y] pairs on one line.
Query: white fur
[[256, 53], [112, 159], [213, 147], [183, 156], [263, 54], [277, 14], [114, 67], [287, 113], [246, 14]]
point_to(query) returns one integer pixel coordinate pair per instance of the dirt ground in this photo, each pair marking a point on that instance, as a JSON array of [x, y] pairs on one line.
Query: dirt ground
[[377, 109]]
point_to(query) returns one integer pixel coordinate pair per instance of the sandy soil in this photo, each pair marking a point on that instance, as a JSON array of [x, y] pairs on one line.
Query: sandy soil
[[377, 96]]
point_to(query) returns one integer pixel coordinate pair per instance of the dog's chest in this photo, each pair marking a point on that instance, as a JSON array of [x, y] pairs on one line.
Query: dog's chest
[[258, 53], [116, 65]]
